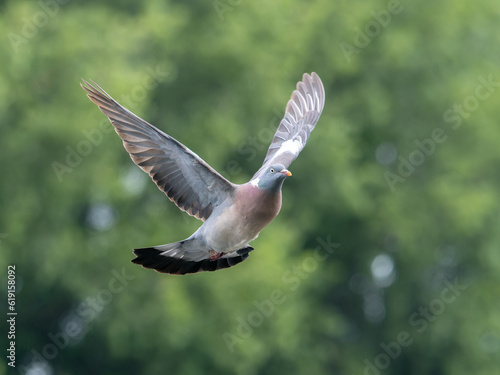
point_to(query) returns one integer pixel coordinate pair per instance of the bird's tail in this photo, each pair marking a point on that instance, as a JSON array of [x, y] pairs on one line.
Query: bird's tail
[[182, 257]]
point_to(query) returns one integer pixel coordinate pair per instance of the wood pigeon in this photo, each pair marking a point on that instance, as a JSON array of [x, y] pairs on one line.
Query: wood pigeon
[[233, 215]]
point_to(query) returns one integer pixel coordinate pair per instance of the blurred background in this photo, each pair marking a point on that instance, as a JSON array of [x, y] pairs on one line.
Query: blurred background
[[384, 258]]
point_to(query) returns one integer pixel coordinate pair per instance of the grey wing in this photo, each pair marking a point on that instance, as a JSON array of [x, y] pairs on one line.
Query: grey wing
[[301, 115], [183, 176]]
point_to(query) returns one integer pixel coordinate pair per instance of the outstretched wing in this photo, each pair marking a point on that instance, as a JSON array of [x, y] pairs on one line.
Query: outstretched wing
[[183, 176], [301, 115]]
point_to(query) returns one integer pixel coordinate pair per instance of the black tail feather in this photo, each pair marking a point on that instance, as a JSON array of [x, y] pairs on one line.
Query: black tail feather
[[152, 258]]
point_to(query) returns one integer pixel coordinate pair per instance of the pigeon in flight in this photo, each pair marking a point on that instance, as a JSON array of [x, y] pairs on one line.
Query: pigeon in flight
[[233, 215]]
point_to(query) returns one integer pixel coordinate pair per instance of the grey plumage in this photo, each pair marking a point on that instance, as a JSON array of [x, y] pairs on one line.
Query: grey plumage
[[301, 115], [233, 215], [183, 176]]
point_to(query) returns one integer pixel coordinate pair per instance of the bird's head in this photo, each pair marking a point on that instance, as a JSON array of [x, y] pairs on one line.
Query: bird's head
[[272, 178]]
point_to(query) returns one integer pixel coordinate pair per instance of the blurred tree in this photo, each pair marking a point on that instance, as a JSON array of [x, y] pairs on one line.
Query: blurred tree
[[384, 258]]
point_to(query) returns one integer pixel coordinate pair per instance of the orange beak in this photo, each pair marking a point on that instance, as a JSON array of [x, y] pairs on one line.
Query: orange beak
[[286, 172]]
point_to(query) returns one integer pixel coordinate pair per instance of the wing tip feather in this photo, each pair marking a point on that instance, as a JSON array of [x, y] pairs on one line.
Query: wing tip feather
[[302, 112]]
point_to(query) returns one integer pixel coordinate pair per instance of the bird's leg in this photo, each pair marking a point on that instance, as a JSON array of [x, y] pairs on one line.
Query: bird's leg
[[214, 255]]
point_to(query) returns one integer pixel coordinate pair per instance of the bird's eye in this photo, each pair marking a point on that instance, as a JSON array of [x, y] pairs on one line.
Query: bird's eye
[[271, 170]]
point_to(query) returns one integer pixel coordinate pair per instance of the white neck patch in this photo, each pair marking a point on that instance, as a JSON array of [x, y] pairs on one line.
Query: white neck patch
[[255, 182]]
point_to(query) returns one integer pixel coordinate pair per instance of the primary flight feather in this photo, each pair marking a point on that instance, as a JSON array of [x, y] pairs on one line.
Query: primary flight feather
[[233, 214]]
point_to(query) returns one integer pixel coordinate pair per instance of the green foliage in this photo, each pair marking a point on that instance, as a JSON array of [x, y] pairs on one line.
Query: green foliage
[[401, 172]]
